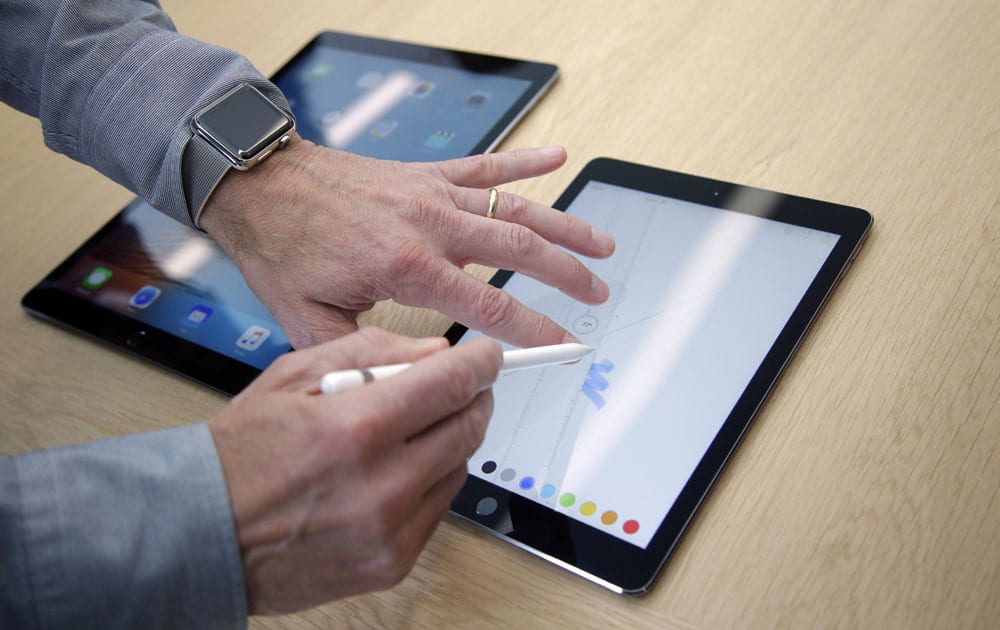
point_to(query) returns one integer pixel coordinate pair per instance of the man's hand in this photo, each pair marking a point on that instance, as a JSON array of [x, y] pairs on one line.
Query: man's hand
[[321, 235], [337, 495]]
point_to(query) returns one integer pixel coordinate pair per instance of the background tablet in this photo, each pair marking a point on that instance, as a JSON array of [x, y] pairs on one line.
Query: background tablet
[[600, 465], [406, 102], [167, 293]]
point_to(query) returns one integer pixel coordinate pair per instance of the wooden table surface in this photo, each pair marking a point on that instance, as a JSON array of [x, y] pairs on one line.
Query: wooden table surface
[[866, 494]]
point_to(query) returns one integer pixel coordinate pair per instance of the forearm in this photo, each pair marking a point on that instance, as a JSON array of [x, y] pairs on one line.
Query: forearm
[[115, 86], [129, 532]]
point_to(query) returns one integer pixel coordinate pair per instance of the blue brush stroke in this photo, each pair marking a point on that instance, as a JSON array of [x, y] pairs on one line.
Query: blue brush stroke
[[596, 383], [592, 394]]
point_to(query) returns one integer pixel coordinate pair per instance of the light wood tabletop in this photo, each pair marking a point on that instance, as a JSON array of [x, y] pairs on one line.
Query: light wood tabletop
[[867, 493]]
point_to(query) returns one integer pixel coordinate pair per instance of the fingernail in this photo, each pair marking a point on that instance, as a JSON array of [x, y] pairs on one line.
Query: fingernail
[[599, 288], [570, 339], [604, 241], [553, 152]]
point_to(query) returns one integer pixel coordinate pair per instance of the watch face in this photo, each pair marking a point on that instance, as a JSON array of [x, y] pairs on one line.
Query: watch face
[[244, 122]]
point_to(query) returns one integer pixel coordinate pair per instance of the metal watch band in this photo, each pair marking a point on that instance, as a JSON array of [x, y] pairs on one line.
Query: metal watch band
[[202, 168]]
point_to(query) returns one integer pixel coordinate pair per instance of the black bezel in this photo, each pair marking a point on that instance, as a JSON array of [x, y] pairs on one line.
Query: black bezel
[[171, 352], [539, 74], [610, 560]]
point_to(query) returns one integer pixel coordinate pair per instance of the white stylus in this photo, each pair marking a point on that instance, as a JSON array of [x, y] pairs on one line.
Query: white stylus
[[333, 382]]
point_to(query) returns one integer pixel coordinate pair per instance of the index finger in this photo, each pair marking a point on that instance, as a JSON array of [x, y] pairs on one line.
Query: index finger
[[483, 171], [435, 387], [303, 369]]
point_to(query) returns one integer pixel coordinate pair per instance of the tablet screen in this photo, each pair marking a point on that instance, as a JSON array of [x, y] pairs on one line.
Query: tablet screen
[[391, 108], [599, 466], [698, 297], [151, 269]]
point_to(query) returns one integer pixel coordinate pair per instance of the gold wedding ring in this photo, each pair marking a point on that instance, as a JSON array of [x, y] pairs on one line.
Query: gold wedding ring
[[491, 211]]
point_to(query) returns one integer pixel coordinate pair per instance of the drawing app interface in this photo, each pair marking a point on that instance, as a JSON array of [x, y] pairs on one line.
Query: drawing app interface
[[698, 296]]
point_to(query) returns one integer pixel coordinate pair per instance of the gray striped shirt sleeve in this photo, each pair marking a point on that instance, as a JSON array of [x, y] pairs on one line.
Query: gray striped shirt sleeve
[[135, 531], [130, 532], [115, 86]]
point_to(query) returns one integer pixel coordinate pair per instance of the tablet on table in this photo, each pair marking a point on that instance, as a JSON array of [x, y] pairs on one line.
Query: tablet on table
[[600, 465]]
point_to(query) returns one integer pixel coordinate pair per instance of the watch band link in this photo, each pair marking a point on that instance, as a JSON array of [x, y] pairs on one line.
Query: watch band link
[[202, 168]]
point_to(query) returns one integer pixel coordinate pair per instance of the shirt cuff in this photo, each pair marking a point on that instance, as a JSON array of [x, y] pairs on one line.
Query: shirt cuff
[[115, 87], [138, 117]]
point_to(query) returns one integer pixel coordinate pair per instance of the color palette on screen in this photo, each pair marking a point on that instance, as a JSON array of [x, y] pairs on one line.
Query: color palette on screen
[[566, 500]]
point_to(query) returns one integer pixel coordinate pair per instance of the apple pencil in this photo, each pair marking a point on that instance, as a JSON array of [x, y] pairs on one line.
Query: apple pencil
[[333, 382]]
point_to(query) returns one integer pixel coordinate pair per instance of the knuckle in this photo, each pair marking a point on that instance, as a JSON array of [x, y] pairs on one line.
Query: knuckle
[[420, 210], [408, 259], [542, 327], [514, 207], [424, 205], [393, 565], [570, 225], [495, 307], [482, 165], [367, 436], [519, 241]]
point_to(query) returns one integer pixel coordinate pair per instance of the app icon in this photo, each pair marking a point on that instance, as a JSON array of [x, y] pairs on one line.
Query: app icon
[[97, 277], [144, 296], [369, 80], [439, 139], [319, 70], [477, 99], [197, 315], [252, 338], [385, 128], [422, 89]]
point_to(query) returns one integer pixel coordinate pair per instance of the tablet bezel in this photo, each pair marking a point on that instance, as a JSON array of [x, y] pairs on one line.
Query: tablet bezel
[[212, 369], [168, 351], [540, 75], [586, 550]]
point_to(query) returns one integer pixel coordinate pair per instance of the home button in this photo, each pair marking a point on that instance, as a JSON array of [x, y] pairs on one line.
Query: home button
[[486, 506]]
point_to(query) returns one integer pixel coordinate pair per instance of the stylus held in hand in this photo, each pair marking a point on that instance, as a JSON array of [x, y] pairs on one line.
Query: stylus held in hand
[[333, 382]]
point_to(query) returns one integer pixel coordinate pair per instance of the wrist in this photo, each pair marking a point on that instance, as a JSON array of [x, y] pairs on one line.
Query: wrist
[[241, 208], [238, 130]]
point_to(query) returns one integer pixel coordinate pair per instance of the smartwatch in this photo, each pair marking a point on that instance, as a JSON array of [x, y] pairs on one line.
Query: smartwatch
[[239, 130]]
